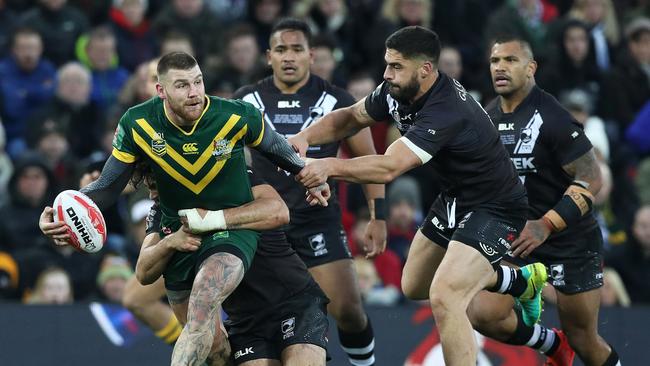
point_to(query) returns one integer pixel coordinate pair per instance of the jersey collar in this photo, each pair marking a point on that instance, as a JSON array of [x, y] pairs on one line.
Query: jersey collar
[[196, 123]]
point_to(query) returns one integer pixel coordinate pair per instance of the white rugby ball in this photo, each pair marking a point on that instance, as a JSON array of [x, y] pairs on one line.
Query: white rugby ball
[[85, 221]]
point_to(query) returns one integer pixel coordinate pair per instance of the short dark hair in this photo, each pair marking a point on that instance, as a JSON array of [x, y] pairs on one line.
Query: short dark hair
[[293, 24], [415, 42], [23, 31], [177, 61], [507, 38]]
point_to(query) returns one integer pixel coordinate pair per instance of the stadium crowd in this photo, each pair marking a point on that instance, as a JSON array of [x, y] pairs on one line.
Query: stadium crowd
[[69, 70]]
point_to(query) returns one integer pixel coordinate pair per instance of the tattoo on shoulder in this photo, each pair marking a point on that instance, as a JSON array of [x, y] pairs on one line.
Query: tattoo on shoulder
[[584, 168]]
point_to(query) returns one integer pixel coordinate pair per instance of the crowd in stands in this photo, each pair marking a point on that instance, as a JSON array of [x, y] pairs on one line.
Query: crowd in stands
[[70, 68]]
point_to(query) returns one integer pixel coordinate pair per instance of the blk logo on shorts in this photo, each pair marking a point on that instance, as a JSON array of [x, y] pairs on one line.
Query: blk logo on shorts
[[557, 274], [287, 327], [244, 352], [489, 251], [317, 244]]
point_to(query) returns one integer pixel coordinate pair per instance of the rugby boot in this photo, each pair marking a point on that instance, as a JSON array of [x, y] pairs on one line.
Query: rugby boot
[[531, 300], [564, 354]]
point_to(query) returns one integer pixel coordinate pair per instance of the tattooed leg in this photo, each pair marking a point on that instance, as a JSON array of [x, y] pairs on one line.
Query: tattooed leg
[[217, 278]]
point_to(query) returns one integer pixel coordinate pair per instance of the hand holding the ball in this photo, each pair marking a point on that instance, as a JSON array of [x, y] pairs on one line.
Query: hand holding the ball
[[183, 241], [58, 230]]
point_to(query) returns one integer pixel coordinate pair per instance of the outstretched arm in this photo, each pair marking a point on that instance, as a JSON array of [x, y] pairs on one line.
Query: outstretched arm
[[267, 211], [334, 126], [398, 159], [104, 191], [361, 144]]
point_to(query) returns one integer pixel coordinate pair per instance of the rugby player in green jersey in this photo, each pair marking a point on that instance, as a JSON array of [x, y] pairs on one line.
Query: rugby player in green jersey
[[195, 144]]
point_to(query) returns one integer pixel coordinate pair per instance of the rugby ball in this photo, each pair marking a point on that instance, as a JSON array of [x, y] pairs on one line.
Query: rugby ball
[[83, 218]]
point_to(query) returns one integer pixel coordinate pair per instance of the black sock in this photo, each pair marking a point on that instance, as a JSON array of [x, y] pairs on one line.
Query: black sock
[[360, 347], [613, 359], [537, 337], [509, 281]]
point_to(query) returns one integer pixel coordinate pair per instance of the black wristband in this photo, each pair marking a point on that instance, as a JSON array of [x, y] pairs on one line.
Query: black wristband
[[380, 209]]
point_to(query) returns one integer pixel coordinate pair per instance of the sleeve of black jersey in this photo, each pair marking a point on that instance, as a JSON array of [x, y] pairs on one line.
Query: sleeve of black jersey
[[430, 133], [152, 224], [567, 137], [254, 178], [377, 104], [343, 98], [241, 92]]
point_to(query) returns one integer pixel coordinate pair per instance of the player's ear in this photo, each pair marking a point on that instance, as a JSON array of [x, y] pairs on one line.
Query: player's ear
[[160, 91], [311, 55], [268, 57], [532, 68], [426, 69]]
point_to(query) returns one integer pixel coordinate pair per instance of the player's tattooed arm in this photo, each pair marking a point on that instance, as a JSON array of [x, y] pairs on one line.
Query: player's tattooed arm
[[217, 278], [585, 171]]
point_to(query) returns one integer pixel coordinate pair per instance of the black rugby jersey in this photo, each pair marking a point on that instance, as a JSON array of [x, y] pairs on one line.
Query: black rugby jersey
[[289, 114], [447, 126], [541, 137], [276, 272]]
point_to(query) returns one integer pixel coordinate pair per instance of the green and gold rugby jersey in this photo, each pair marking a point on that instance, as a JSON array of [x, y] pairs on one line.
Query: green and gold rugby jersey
[[201, 168]]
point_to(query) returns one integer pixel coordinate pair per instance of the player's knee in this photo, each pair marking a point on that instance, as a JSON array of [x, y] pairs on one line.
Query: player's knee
[[440, 299], [348, 314], [414, 290], [582, 339]]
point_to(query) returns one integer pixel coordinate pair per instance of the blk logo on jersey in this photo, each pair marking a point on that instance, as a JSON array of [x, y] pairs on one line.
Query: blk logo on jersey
[[221, 149], [557, 274], [288, 104], [524, 164], [317, 244], [506, 126], [244, 352], [287, 326]]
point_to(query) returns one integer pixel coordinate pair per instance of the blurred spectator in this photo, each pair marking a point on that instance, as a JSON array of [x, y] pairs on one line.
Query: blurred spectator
[[571, 67], [632, 260], [361, 85], [30, 189], [9, 277], [26, 83], [404, 212], [139, 207], [638, 132], [136, 41], [580, 105], [175, 41], [370, 286], [53, 146], [112, 277], [195, 19], [141, 85], [643, 182], [98, 51], [627, 89], [610, 226], [60, 25], [450, 63], [241, 61], [527, 19], [613, 292], [262, 15], [70, 111], [6, 168], [402, 13], [326, 60], [8, 20], [228, 11], [53, 287], [600, 16]]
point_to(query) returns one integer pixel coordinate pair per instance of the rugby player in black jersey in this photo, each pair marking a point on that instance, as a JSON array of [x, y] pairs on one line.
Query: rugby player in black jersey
[[277, 315], [483, 205], [558, 166], [291, 100]]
